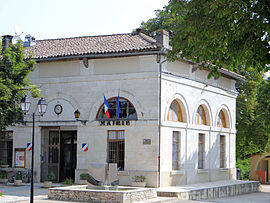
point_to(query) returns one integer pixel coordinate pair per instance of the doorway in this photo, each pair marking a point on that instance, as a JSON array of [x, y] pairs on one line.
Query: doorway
[[59, 154]]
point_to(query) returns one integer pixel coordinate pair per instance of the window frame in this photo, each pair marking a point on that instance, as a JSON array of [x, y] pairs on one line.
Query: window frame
[[221, 120], [222, 148], [117, 141], [179, 113], [176, 144], [129, 106], [7, 137], [201, 116], [201, 151]]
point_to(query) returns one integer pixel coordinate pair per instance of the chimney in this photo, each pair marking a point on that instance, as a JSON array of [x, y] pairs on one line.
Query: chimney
[[162, 37], [29, 41], [7, 39]]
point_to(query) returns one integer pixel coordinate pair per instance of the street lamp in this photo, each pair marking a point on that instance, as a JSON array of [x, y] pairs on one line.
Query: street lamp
[[77, 114], [25, 106]]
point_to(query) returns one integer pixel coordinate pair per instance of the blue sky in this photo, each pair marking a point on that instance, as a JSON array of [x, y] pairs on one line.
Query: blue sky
[[47, 19]]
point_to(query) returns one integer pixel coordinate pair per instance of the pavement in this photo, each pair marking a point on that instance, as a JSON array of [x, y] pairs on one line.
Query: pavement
[[20, 194]]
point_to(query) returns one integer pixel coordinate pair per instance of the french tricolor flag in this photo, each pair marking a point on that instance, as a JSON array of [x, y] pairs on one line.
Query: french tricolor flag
[[106, 108], [29, 146], [84, 147]]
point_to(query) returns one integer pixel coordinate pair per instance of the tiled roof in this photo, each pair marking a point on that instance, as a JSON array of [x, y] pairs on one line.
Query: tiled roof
[[91, 45]]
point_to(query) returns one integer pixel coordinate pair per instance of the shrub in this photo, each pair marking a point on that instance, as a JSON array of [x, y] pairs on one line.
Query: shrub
[[3, 163], [19, 175], [68, 181], [139, 178], [50, 176], [1, 193], [84, 176], [243, 165], [3, 175]]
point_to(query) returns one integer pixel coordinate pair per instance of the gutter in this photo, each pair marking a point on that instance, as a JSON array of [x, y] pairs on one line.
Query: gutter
[[159, 110], [93, 56]]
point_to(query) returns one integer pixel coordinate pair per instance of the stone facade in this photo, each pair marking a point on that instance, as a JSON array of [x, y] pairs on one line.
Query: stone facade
[[73, 85]]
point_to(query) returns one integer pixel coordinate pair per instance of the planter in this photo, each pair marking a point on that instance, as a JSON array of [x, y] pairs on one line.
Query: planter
[[47, 184], [3, 166], [17, 182], [83, 182], [3, 180], [138, 184]]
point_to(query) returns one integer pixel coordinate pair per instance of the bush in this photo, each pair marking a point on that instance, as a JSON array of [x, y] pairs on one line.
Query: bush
[[84, 176], [3, 163], [50, 176], [68, 181], [3, 175], [139, 178], [243, 165], [1, 193], [19, 175]]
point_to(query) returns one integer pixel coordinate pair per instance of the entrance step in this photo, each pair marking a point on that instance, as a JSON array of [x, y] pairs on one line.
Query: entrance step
[[210, 190]]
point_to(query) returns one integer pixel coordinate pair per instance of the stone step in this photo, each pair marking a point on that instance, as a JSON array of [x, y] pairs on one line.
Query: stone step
[[210, 191]]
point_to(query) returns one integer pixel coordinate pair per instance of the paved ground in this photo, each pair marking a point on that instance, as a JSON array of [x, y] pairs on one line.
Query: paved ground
[[21, 195]]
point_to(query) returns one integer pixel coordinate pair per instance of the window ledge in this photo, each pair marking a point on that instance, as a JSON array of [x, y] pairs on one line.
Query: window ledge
[[178, 172], [123, 173], [223, 169], [202, 170]]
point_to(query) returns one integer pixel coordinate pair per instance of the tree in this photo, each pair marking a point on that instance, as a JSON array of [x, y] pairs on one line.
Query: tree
[[14, 83], [217, 33]]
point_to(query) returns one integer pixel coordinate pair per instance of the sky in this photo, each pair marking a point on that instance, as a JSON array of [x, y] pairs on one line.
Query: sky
[[50, 19]]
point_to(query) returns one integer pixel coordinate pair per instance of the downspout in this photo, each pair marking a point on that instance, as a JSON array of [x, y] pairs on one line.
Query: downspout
[[159, 112]]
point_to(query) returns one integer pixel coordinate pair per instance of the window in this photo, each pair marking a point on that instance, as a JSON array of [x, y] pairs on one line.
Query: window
[[221, 122], [222, 151], [116, 148], [127, 110], [175, 112], [6, 147], [200, 116], [201, 151], [176, 151]]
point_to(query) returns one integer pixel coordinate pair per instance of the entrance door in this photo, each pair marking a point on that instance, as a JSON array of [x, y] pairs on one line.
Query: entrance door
[[68, 154], [58, 153]]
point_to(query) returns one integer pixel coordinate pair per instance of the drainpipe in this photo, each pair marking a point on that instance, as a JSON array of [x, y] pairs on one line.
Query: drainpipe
[[159, 112]]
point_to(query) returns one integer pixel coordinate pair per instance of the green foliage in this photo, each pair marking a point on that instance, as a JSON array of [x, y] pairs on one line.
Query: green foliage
[[3, 175], [225, 33], [50, 176], [19, 175], [68, 181], [243, 165], [139, 178], [3, 163], [14, 83], [83, 176], [1, 193]]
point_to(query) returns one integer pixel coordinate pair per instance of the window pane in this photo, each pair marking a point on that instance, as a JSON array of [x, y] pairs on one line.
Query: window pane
[[121, 135], [112, 135]]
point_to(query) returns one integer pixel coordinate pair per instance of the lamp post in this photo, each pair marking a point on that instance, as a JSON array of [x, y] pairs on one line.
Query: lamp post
[[25, 106]]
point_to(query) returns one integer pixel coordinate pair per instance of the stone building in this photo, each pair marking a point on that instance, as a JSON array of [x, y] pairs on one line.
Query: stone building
[[175, 127]]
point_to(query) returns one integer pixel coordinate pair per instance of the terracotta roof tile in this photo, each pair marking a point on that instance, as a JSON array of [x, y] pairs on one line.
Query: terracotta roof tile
[[91, 45]]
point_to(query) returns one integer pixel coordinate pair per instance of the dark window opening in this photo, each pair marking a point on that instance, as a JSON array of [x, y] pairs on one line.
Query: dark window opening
[[6, 147]]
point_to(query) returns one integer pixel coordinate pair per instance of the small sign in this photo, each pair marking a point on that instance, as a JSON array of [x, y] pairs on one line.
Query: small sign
[[84, 147], [146, 141], [29, 146], [19, 157]]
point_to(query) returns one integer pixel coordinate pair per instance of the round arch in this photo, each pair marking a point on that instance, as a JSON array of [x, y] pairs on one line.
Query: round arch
[[111, 94], [208, 112], [183, 104], [227, 115]]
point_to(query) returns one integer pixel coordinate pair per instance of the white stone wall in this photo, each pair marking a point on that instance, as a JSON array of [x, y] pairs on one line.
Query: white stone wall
[[75, 86], [193, 90]]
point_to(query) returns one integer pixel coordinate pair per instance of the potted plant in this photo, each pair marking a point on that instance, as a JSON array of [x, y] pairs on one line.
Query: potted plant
[[83, 179], [48, 182], [18, 178], [3, 164], [3, 177], [67, 182], [139, 181]]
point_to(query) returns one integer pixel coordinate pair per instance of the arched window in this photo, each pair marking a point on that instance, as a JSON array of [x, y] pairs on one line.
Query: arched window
[[221, 121], [200, 116], [128, 111], [175, 112]]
